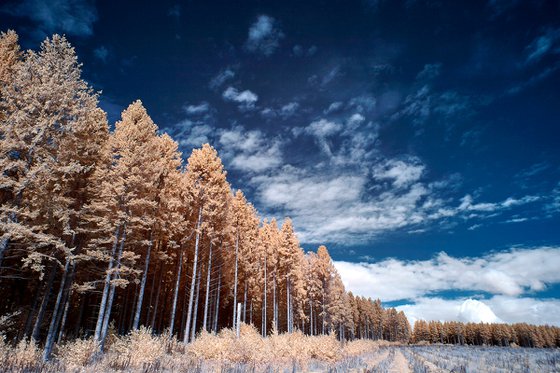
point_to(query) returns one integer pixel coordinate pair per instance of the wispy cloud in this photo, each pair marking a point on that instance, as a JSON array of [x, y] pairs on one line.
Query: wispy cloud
[[249, 151], [220, 78], [246, 99], [73, 17], [264, 36], [542, 45], [198, 109], [101, 53]]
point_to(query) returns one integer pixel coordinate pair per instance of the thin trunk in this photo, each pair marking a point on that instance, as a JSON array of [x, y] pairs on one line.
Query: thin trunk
[[130, 323], [80, 314], [103, 304], [323, 305], [195, 316], [153, 324], [193, 279], [288, 304], [46, 297], [3, 247], [136, 322], [55, 315], [176, 293], [245, 302], [208, 275], [111, 297], [274, 305], [152, 288], [238, 321], [29, 321], [122, 314], [310, 316], [235, 280], [218, 300], [251, 313], [265, 305], [64, 318]]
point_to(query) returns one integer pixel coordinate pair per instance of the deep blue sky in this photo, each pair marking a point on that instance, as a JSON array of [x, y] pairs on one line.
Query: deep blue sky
[[385, 129]]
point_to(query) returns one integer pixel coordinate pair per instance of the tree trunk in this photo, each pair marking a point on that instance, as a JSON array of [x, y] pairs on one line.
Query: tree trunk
[[245, 302], [274, 305], [238, 321], [323, 305], [29, 321], [142, 286], [208, 276], [111, 297], [103, 304], [153, 324], [235, 280], [64, 318], [288, 304], [265, 305], [55, 315], [193, 279], [3, 247], [218, 301], [195, 316], [152, 288], [176, 293], [310, 316], [46, 297]]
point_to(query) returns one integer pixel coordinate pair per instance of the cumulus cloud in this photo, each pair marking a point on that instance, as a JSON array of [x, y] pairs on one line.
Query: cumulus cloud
[[246, 99], [73, 17], [249, 151], [264, 36], [495, 309], [510, 273]]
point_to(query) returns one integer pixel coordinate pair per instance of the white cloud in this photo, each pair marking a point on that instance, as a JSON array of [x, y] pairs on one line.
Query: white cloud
[[264, 36], [335, 106], [75, 17], [495, 309], [201, 108], [191, 134], [289, 109], [400, 172], [246, 99], [249, 151], [222, 77], [322, 129], [468, 205], [511, 273]]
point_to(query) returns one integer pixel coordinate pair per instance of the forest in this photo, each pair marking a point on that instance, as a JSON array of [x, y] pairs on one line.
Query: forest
[[107, 229]]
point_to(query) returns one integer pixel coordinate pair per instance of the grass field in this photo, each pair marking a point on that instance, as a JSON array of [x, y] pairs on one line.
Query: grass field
[[143, 352]]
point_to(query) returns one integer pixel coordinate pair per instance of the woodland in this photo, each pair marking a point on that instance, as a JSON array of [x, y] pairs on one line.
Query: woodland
[[108, 229]]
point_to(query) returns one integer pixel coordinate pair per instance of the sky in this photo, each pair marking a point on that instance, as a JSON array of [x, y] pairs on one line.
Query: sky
[[418, 140]]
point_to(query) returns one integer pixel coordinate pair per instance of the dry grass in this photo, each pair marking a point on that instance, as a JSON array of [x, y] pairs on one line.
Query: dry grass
[[143, 352]]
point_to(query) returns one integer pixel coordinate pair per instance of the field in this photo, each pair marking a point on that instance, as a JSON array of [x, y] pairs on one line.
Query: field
[[143, 352]]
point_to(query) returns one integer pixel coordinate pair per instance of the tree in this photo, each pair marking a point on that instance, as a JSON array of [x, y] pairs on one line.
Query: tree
[[209, 190]]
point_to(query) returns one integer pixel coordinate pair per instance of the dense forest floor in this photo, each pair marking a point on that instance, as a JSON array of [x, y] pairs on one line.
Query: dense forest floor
[[143, 352]]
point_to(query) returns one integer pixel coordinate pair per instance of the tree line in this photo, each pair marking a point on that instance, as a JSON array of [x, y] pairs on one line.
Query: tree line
[[111, 229], [478, 334]]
